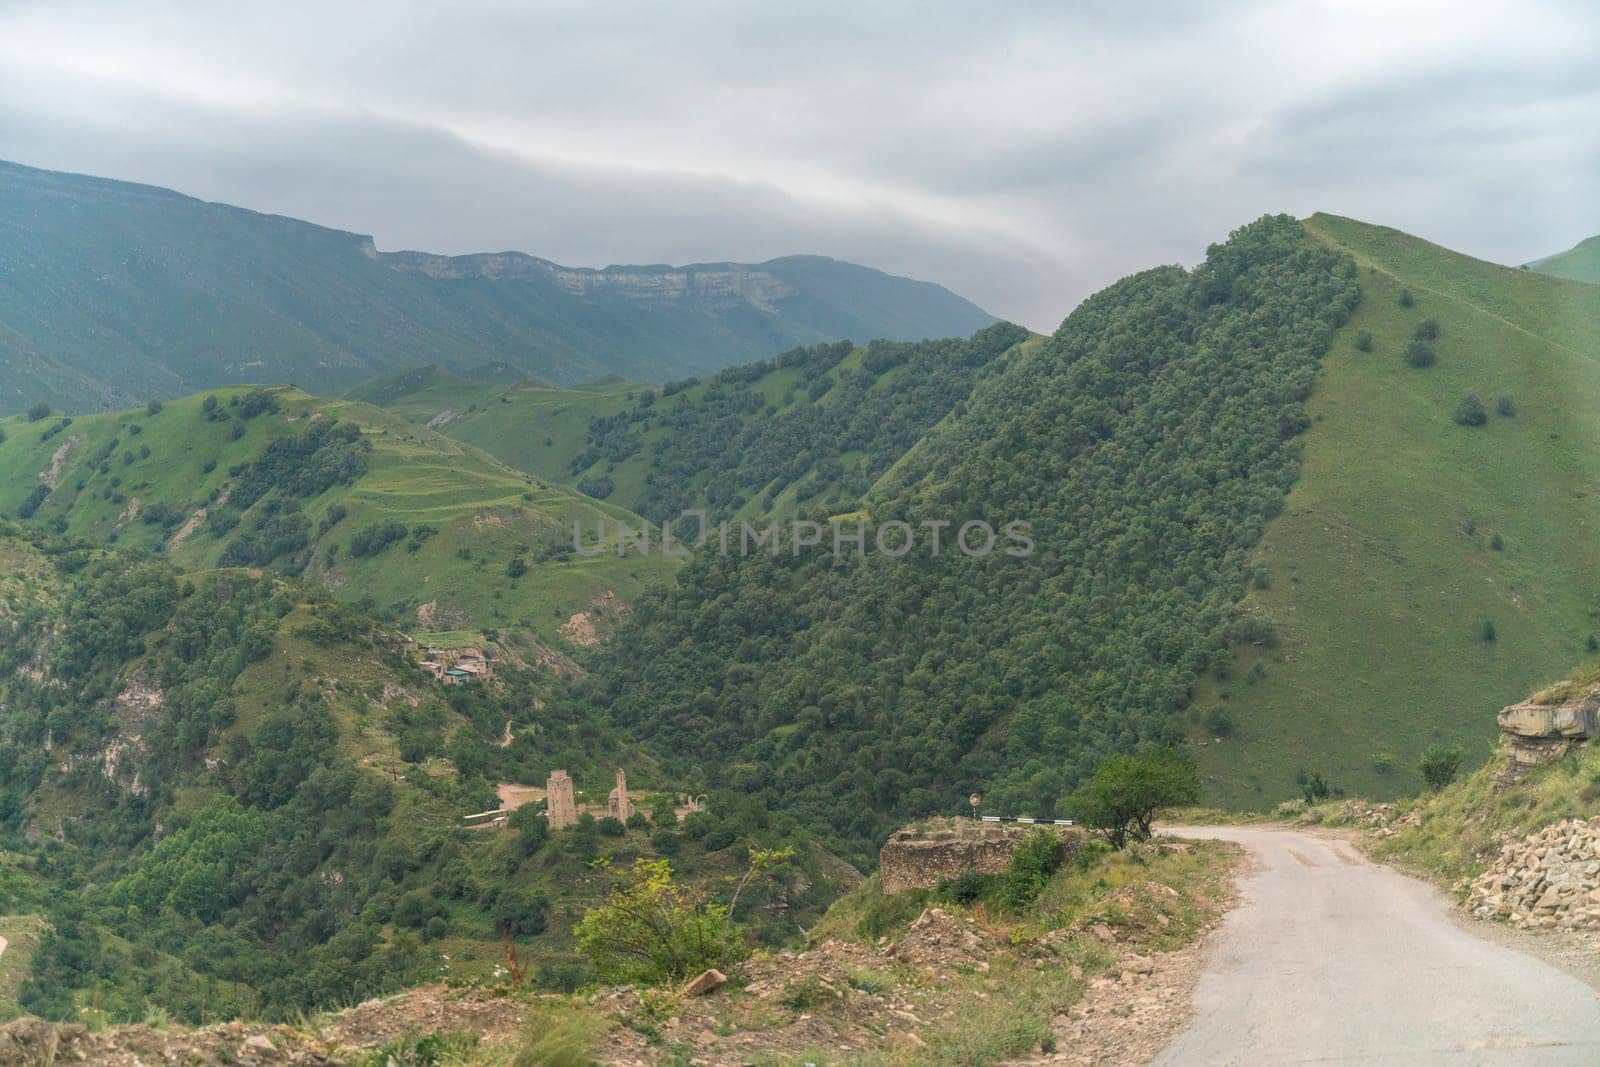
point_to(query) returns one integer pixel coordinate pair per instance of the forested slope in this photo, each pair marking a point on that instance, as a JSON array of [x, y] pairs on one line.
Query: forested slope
[[812, 428], [1149, 442]]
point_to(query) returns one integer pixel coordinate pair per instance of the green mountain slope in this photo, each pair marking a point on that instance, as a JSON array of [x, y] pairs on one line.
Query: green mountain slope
[[1580, 263], [111, 293], [227, 795], [415, 524], [1148, 443], [1408, 532], [813, 428]]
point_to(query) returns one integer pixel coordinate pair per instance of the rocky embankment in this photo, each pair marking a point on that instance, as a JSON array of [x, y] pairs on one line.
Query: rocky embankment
[[1548, 880]]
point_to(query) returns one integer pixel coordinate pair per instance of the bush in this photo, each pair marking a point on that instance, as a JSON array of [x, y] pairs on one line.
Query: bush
[[637, 821], [611, 826], [1420, 354], [1218, 722], [1486, 631], [654, 930], [1427, 330], [371, 540], [1364, 341], [41, 410], [1506, 406], [1439, 766], [1315, 788], [153, 408], [516, 568], [1036, 858], [1122, 799], [1470, 411], [1406, 299], [520, 911], [966, 889]]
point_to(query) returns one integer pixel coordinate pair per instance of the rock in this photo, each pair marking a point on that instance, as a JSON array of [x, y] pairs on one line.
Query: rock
[[260, 1043], [708, 982]]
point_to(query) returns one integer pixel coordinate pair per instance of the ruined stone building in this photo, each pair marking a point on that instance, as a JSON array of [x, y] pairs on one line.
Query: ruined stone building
[[617, 804], [560, 808]]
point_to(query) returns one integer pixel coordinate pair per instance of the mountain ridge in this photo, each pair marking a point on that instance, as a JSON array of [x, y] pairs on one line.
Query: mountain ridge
[[118, 292]]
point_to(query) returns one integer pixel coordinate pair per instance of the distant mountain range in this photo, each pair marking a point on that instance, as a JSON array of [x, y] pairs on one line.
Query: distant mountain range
[[113, 293], [1581, 262]]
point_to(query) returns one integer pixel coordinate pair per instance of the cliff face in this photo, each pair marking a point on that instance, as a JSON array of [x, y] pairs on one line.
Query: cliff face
[[1542, 728], [716, 285]]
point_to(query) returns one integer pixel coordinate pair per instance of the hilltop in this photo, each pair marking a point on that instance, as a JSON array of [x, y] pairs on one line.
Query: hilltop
[[433, 533], [1581, 262], [112, 293], [1423, 572]]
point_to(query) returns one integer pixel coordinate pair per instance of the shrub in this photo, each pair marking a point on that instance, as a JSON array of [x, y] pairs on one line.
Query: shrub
[[1315, 788], [1497, 543], [1364, 341], [1427, 330], [1486, 631], [1419, 353], [1254, 630], [153, 408], [1406, 299], [637, 821], [611, 826], [653, 930], [1506, 406], [520, 911], [1032, 863], [1218, 722], [966, 889], [516, 568], [1470, 411], [371, 540], [1121, 800], [39, 411], [1439, 766]]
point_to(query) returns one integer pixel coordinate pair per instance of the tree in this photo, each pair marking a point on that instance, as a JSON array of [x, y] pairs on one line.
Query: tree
[[153, 408], [1364, 341], [653, 930], [1122, 799], [1316, 788], [763, 861], [1506, 406], [1406, 299], [1427, 330], [39, 411], [1420, 354], [1470, 411], [1486, 631], [1439, 766]]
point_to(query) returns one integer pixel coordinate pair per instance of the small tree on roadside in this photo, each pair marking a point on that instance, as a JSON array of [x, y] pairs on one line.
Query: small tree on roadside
[[1035, 859], [1126, 793], [1439, 766], [1316, 788]]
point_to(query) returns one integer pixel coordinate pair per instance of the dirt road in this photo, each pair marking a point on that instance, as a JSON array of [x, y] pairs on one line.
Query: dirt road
[[1330, 959]]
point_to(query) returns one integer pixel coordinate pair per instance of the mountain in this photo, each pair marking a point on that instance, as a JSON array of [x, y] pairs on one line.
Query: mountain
[[437, 535], [252, 800], [813, 428], [1408, 535], [112, 293], [1580, 263]]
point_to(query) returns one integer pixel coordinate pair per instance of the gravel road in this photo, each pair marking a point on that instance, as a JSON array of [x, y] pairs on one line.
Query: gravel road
[[1330, 959]]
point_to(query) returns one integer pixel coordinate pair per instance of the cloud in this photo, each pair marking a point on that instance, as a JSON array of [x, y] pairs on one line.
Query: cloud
[[1023, 156]]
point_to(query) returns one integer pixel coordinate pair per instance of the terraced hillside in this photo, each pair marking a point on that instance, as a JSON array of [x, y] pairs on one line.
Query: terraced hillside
[[434, 533], [1425, 571], [813, 428]]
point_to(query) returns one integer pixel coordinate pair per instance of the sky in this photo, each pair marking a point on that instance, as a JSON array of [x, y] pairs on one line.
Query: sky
[[1022, 154]]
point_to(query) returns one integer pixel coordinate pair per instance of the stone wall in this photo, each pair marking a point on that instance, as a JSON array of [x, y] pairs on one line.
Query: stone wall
[[919, 857]]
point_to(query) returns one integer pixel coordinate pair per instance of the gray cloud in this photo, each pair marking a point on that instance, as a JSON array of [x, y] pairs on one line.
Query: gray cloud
[[1022, 156]]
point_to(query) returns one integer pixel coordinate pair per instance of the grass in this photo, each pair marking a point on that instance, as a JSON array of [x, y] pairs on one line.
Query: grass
[[483, 513], [1155, 900], [1382, 569]]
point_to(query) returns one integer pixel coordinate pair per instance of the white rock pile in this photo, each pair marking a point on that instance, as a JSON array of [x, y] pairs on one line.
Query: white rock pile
[[1549, 879]]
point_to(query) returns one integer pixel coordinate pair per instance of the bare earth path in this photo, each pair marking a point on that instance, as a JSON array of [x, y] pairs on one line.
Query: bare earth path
[[1330, 959]]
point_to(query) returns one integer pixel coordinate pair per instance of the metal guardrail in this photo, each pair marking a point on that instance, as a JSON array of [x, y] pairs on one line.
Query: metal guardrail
[[1027, 819]]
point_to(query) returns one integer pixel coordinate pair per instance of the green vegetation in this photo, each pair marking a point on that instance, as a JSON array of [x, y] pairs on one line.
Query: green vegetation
[[653, 930], [812, 429], [1125, 795], [857, 691], [188, 295], [1439, 766], [1580, 263], [1383, 562], [412, 525]]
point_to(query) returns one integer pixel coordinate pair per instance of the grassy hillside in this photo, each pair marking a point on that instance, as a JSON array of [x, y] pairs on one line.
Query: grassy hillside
[[169, 481], [111, 293], [1407, 532], [1581, 262], [813, 428]]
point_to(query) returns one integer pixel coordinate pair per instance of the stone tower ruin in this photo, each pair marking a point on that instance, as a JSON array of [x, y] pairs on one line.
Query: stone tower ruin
[[560, 809], [618, 805]]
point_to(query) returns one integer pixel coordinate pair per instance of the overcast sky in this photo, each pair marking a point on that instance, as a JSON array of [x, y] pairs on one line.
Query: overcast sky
[[1021, 154]]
